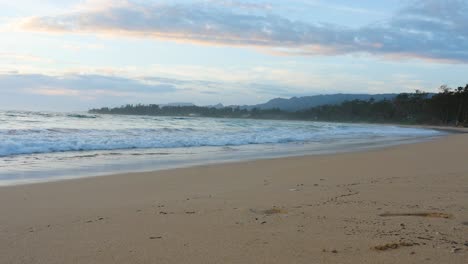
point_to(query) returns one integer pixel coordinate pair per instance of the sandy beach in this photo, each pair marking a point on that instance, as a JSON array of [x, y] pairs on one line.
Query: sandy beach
[[402, 204]]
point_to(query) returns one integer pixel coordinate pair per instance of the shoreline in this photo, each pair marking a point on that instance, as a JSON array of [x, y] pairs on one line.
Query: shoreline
[[401, 204], [282, 152], [233, 161], [448, 129]]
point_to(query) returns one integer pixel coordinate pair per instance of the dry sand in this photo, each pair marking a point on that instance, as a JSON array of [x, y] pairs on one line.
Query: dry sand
[[403, 204]]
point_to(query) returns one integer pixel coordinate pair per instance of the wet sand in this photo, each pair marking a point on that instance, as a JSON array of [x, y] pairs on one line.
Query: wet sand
[[401, 204]]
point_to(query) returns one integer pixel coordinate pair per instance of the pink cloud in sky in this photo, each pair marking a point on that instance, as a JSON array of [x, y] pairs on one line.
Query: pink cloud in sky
[[418, 30]]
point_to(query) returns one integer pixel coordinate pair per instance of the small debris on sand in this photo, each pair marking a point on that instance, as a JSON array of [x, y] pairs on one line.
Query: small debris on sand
[[431, 215], [271, 211], [155, 237], [393, 246], [274, 211], [424, 238]]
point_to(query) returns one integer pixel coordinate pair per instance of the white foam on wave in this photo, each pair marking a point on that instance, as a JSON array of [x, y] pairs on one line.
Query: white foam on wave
[[62, 133]]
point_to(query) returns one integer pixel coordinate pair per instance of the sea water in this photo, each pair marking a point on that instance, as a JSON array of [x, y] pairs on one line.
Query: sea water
[[44, 146]]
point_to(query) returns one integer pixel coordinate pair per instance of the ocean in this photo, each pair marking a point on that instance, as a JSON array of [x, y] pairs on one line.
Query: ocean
[[45, 146]]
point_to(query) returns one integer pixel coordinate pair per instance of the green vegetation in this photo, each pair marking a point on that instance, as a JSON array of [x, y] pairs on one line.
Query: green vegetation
[[448, 107]]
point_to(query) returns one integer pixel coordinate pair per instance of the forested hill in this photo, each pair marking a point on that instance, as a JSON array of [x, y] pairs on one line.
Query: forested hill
[[448, 107], [305, 102]]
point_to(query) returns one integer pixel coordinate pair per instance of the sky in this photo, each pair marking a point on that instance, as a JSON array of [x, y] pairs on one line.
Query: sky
[[73, 55]]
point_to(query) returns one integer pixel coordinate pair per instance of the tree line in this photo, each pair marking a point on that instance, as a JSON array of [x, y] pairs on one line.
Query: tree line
[[447, 107]]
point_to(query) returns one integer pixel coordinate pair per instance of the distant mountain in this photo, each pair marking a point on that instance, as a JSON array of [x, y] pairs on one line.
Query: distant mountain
[[301, 103], [178, 104], [217, 106]]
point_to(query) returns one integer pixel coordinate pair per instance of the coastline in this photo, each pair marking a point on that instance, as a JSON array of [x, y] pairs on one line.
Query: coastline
[[59, 166], [321, 209], [449, 129]]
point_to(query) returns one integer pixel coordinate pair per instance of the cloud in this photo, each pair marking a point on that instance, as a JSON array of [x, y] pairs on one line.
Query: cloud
[[16, 57], [73, 91], [79, 47], [76, 91], [246, 5], [424, 29], [338, 7], [77, 84], [173, 81]]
